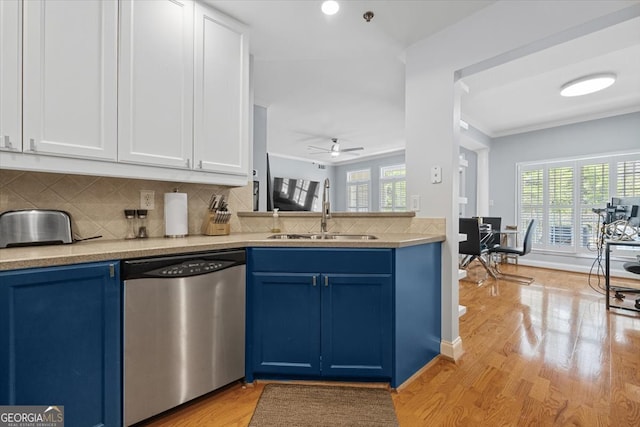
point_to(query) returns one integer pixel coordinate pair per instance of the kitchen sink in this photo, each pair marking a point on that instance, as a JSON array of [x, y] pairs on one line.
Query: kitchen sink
[[321, 236]]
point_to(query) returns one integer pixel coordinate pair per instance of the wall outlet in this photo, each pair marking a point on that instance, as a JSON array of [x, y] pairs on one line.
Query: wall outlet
[[436, 175], [147, 199]]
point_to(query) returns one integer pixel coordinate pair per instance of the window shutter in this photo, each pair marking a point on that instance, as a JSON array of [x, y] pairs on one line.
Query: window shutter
[[561, 221], [628, 179], [532, 200], [358, 190], [393, 188], [594, 193]]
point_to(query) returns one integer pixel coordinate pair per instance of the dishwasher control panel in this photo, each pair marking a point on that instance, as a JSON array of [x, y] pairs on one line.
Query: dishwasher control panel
[[190, 268], [182, 265]]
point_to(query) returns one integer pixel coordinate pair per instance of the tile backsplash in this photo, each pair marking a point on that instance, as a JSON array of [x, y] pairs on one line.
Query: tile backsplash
[[97, 204], [346, 224]]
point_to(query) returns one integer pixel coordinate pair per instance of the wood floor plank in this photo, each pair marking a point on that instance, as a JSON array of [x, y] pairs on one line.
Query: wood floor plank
[[547, 354]]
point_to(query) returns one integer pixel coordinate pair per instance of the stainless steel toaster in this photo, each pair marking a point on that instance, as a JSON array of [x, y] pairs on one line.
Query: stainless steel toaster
[[29, 227]]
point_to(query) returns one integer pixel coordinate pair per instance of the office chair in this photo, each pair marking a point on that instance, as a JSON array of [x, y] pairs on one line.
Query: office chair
[[496, 223], [472, 247], [520, 251]]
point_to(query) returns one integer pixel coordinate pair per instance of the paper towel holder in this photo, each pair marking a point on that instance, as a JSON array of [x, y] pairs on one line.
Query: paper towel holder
[[180, 216]]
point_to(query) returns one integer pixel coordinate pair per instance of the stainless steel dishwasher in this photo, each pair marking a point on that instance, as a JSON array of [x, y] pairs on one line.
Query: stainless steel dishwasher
[[184, 323]]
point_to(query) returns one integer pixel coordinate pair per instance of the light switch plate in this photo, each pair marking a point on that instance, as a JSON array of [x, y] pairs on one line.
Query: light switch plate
[[436, 175], [415, 203]]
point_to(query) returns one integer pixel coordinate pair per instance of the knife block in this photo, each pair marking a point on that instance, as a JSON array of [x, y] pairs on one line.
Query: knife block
[[211, 228]]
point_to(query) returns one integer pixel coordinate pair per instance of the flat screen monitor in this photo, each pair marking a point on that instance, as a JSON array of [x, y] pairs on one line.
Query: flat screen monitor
[[290, 194], [627, 208]]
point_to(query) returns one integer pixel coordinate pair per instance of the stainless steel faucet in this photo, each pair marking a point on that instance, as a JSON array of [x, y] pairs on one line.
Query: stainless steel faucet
[[326, 207]]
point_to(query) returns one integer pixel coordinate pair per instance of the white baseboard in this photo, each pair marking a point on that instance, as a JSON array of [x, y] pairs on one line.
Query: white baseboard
[[452, 350], [575, 268], [461, 310]]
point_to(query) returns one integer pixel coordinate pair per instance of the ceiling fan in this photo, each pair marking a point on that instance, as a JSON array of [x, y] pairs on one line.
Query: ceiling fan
[[335, 149]]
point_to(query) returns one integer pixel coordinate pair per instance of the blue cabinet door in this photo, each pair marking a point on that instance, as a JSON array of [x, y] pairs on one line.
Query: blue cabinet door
[[317, 313], [285, 325], [60, 341], [357, 325]]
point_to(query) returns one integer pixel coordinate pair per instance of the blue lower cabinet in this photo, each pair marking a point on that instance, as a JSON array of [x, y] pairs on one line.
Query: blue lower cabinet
[[357, 325], [60, 341], [319, 313], [286, 324]]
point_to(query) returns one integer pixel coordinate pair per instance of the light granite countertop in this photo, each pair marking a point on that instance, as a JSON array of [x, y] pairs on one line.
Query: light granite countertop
[[96, 250]]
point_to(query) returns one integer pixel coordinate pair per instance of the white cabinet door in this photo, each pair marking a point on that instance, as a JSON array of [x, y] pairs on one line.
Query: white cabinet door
[[70, 78], [10, 75], [156, 82], [221, 93]]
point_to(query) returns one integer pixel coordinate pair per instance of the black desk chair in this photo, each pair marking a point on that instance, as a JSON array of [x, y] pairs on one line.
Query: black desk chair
[[495, 222], [519, 251], [472, 247]]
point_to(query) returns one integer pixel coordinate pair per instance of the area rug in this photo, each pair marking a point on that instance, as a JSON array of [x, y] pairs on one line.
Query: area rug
[[295, 405]]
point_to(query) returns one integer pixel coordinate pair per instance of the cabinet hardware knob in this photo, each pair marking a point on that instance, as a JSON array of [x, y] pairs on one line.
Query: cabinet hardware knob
[[32, 144], [200, 164], [313, 280], [326, 280], [188, 163]]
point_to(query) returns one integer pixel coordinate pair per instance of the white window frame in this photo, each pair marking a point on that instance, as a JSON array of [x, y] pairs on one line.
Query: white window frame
[[394, 180], [357, 184], [542, 235]]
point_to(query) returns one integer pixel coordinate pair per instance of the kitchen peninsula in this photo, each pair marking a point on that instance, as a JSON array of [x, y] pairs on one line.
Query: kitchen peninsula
[[369, 310]]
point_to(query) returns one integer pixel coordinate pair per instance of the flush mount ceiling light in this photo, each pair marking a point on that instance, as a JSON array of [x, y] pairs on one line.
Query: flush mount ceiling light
[[588, 84], [330, 7]]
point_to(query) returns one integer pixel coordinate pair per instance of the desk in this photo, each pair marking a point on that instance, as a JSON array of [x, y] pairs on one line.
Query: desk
[[608, 244]]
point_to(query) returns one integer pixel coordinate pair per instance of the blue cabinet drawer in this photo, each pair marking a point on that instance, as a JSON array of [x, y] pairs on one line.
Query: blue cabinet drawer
[[297, 260]]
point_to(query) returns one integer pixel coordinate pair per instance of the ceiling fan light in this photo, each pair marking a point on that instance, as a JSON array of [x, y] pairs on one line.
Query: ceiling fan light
[[588, 84], [330, 7], [335, 153]]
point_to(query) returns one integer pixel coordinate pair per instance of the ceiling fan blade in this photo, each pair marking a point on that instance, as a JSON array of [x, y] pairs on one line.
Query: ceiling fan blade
[[319, 148], [351, 149]]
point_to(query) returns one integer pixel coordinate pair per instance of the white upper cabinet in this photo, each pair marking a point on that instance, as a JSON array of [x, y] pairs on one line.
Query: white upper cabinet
[[70, 78], [155, 92], [10, 75], [221, 93]]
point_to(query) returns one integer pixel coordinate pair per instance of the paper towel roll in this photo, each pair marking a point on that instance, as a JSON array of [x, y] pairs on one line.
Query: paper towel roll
[[176, 222]]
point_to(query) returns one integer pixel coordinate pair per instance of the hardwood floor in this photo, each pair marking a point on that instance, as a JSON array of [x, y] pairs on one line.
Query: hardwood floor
[[547, 354]]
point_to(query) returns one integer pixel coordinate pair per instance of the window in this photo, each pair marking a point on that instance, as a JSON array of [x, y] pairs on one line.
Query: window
[[628, 184], [358, 190], [561, 196], [393, 188]]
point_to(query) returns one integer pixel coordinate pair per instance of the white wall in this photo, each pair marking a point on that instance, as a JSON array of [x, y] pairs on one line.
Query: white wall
[[507, 28], [260, 153]]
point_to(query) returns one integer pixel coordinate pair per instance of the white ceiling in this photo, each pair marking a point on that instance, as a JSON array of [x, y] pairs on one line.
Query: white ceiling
[[323, 77], [524, 94]]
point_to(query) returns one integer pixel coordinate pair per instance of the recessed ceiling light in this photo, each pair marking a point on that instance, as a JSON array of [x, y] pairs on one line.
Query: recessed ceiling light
[[330, 7], [588, 84]]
